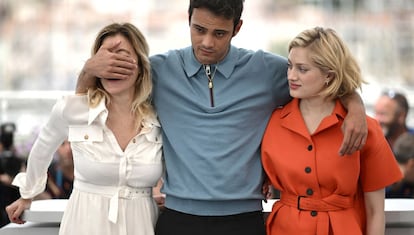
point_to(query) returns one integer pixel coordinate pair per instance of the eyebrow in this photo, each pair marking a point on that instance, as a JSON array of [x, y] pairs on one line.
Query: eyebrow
[[197, 26], [298, 64], [215, 30]]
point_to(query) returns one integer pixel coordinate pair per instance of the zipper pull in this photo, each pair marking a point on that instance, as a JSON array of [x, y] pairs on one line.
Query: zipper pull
[[208, 70]]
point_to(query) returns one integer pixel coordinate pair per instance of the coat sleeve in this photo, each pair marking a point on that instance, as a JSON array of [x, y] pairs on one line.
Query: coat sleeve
[[53, 133]]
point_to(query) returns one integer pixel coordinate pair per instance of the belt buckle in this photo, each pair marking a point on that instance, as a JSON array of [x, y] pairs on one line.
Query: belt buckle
[[298, 203]]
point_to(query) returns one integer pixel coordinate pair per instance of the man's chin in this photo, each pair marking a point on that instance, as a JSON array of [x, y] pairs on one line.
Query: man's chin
[[204, 58]]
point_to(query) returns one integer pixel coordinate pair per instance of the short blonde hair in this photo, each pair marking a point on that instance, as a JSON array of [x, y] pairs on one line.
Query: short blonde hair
[[330, 54], [141, 105]]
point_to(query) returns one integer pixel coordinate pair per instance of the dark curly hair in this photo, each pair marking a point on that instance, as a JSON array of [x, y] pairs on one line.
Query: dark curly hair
[[229, 9]]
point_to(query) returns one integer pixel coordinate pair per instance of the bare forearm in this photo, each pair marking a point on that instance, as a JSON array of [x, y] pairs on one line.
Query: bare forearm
[[375, 216], [376, 225], [85, 81], [353, 103]]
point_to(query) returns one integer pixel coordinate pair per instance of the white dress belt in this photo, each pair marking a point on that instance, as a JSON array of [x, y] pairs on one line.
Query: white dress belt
[[115, 192]]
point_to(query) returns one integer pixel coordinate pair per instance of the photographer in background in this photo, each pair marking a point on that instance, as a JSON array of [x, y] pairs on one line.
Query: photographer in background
[[10, 165], [404, 154]]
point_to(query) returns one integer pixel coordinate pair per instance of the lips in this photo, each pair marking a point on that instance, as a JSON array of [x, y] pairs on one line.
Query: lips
[[293, 86], [206, 53]]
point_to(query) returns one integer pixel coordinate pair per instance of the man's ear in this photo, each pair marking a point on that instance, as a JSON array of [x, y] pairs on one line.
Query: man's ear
[[410, 163], [237, 28]]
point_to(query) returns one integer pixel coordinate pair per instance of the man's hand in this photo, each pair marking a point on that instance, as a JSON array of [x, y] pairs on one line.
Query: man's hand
[[355, 131], [106, 63], [266, 189], [157, 195]]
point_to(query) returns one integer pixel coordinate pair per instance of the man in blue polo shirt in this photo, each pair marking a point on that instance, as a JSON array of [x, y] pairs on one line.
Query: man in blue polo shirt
[[213, 101]]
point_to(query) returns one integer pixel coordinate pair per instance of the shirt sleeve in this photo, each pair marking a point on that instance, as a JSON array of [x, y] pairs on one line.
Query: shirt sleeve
[[33, 181], [278, 66]]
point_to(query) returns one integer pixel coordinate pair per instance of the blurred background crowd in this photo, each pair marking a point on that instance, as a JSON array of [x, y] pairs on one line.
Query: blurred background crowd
[[44, 44]]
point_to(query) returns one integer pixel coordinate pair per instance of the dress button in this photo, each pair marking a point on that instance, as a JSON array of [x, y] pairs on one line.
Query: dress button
[[134, 141], [314, 213], [309, 191], [308, 169], [86, 136], [310, 148]]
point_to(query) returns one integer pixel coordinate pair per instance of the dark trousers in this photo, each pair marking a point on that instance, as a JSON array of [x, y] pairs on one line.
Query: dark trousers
[[173, 222]]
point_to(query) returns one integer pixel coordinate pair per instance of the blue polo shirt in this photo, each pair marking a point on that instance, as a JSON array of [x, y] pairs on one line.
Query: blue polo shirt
[[212, 154]]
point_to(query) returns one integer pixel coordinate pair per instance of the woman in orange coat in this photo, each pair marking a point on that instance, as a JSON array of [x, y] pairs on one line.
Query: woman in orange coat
[[322, 192]]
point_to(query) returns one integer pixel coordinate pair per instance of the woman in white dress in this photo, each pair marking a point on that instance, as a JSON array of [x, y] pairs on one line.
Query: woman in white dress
[[117, 148]]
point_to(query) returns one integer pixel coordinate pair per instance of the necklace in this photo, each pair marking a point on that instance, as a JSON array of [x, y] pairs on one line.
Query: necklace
[[210, 77]]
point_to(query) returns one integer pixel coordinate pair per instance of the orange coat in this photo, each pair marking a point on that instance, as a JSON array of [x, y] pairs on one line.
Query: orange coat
[[331, 186]]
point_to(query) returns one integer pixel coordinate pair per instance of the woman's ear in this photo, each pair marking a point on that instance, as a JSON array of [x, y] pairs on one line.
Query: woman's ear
[[330, 76]]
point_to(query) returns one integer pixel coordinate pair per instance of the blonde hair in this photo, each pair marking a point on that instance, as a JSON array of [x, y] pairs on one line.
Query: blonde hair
[[141, 105], [330, 54]]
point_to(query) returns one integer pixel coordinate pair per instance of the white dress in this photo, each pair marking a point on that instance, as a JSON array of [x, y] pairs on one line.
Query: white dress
[[112, 188]]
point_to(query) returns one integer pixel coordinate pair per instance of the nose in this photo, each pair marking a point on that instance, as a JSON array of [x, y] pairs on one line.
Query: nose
[[291, 75], [208, 41]]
